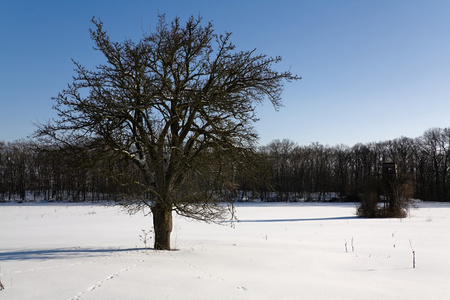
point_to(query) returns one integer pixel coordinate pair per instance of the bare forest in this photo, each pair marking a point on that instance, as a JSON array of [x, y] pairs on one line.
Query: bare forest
[[283, 171]]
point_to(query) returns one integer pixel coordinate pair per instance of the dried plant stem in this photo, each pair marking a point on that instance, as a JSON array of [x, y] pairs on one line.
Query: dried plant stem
[[413, 253]]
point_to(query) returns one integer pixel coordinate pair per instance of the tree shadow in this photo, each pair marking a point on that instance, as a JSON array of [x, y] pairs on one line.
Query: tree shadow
[[298, 220], [62, 253]]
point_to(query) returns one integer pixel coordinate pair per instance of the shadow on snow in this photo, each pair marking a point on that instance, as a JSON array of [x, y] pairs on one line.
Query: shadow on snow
[[62, 253], [298, 220]]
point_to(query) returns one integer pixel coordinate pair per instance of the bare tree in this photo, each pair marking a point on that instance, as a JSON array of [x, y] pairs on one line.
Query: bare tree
[[178, 104], [435, 149]]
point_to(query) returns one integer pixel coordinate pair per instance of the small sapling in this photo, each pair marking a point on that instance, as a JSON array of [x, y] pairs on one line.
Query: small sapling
[[145, 236]]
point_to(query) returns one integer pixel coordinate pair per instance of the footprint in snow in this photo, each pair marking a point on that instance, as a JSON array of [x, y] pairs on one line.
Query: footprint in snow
[[99, 284], [241, 288], [112, 276]]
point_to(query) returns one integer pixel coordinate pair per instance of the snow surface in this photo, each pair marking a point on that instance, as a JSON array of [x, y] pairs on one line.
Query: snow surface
[[277, 251]]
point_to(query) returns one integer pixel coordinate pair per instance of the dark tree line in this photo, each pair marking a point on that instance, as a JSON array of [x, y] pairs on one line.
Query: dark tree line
[[29, 171], [282, 171], [318, 172]]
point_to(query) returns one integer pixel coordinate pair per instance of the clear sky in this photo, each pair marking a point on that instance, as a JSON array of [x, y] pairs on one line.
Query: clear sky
[[372, 70]]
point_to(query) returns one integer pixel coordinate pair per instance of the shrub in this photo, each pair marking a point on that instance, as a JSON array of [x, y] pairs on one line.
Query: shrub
[[397, 202], [369, 206]]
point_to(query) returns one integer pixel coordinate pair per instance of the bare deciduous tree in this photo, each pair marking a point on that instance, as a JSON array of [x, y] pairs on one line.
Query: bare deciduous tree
[[179, 104]]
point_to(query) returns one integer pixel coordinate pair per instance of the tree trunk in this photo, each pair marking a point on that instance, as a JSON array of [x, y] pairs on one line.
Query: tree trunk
[[162, 225]]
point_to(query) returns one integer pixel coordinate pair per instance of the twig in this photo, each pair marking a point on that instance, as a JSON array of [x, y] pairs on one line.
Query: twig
[[2, 287], [413, 253]]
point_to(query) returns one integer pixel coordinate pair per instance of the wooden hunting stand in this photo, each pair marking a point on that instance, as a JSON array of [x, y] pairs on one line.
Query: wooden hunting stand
[[389, 171]]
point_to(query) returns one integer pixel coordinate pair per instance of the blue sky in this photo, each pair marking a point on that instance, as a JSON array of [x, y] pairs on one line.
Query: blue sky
[[372, 70]]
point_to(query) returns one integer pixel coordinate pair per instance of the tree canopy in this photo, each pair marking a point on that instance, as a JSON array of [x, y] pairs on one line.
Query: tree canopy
[[178, 105]]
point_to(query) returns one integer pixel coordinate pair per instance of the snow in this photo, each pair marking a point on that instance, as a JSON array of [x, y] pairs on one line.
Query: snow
[[277, 251]]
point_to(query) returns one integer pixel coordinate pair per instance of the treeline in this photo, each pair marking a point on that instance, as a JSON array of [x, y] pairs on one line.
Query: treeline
[[29, 171], [318, 172], [282, 171]]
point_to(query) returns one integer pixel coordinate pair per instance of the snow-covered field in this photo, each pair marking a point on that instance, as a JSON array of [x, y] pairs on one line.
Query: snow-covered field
[[277, 251]]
